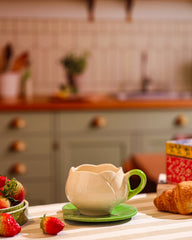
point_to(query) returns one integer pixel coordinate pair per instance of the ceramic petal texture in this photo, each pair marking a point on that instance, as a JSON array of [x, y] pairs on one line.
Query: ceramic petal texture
[[90, 191]]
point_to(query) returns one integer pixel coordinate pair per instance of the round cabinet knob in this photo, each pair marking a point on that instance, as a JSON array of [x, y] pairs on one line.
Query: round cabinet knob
[[18, 123], [182, 120], [18, 168], [99, 122], [18, 146]]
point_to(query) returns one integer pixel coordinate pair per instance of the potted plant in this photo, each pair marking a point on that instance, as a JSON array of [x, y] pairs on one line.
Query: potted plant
[[74, 65]]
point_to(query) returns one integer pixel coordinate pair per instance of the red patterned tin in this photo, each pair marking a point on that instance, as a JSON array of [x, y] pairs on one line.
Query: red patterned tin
[[178, 169]]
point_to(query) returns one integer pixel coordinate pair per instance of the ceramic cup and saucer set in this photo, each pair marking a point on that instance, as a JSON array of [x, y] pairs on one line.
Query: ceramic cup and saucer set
[[97, 193]]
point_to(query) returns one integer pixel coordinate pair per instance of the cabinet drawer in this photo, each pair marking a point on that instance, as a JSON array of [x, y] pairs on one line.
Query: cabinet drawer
[[124, 120], [34, 168], [30, 146], [30, 122]]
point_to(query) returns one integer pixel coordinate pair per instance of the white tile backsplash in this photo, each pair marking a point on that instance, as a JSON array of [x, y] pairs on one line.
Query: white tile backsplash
[[115, 49]]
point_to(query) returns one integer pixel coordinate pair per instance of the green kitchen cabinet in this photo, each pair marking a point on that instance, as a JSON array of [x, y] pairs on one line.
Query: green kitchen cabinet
[[96, 137], [38, 148], [26, 153], [169, 125], [90, 137]]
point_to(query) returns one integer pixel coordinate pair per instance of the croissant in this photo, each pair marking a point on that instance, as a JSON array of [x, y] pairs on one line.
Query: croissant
[[177, 200]]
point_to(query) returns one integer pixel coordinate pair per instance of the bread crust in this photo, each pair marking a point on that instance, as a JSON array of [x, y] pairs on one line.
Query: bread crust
[[177, 200]]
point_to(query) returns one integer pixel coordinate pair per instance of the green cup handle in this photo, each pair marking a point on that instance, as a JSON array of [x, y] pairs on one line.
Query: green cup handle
[[141, 174]]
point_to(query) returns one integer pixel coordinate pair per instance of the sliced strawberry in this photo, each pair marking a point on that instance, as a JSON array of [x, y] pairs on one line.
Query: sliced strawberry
[[51, 225], [14, 189], [4, 202], [8, 226]]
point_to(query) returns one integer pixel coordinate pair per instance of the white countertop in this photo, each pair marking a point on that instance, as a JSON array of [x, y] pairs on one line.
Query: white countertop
[[147, 224]]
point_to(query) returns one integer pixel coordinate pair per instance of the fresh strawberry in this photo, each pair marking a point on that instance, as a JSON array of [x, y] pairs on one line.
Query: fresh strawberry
[[51, 225], [3, 181], [13, 189], [8, 226], [4, 202]]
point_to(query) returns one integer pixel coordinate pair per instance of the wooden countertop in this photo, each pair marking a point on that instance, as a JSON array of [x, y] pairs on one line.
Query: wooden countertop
[[99, 103]]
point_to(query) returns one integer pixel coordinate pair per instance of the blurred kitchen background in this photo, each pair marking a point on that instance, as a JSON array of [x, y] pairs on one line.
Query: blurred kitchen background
[[135, 46], [116, 39]]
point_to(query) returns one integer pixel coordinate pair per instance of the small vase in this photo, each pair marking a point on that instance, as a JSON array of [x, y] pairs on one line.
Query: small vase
[[9, 83], [73, 81]]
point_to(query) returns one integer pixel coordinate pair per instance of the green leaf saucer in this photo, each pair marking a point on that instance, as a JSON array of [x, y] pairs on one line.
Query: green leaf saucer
[[121, 212]]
